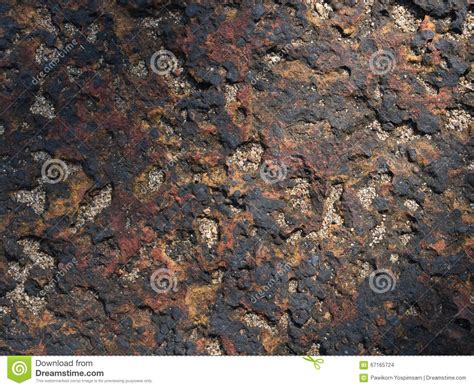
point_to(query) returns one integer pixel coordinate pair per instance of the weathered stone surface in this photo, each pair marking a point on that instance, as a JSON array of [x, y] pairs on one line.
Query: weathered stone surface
[[247, 190]]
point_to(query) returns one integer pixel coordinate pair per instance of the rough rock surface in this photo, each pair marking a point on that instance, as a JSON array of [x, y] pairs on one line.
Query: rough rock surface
[[236, 177]]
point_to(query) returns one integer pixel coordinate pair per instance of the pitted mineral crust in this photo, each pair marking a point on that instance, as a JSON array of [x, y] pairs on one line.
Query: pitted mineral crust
[[355, 237]]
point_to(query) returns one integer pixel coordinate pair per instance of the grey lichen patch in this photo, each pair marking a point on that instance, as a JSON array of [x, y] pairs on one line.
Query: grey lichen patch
[[217, 276], [253, 320], [468, 27], [208, 231], [405, 238], [32, 250], [156, 177], [33, 303], [292, 286], [394, 258], [213, 347], [383, 179], [300, 198], [5, 310], [320, 8], [377, 128], [73, 73], [458, 120], [35, 198], [139, 70], [331, 217], [405, 134], [412, 311], [17, 272], [246, 158], [92, 32], [230, 93], [280, 220], [152, 23], [181, 86], [314, 350], [363, 270], [70, 30], [151, 181], [44, 54], [378, 234], [99, 202], [2, 130], [40, 156], [367, 194], [44, 20], [294, 238], [411, 205], [283, 323], [130, 276], [404, 19], [272, 59], [43, 107]]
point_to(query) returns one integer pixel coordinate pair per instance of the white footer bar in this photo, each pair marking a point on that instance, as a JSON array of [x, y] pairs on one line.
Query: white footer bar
[[251, 371]]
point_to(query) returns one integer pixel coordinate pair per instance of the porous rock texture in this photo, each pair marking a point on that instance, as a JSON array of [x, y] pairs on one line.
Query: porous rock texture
[[291, 153]]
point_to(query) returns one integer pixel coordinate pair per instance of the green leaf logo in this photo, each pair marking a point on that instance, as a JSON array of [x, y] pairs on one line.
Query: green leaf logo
[[316, 362], [19, 368]]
